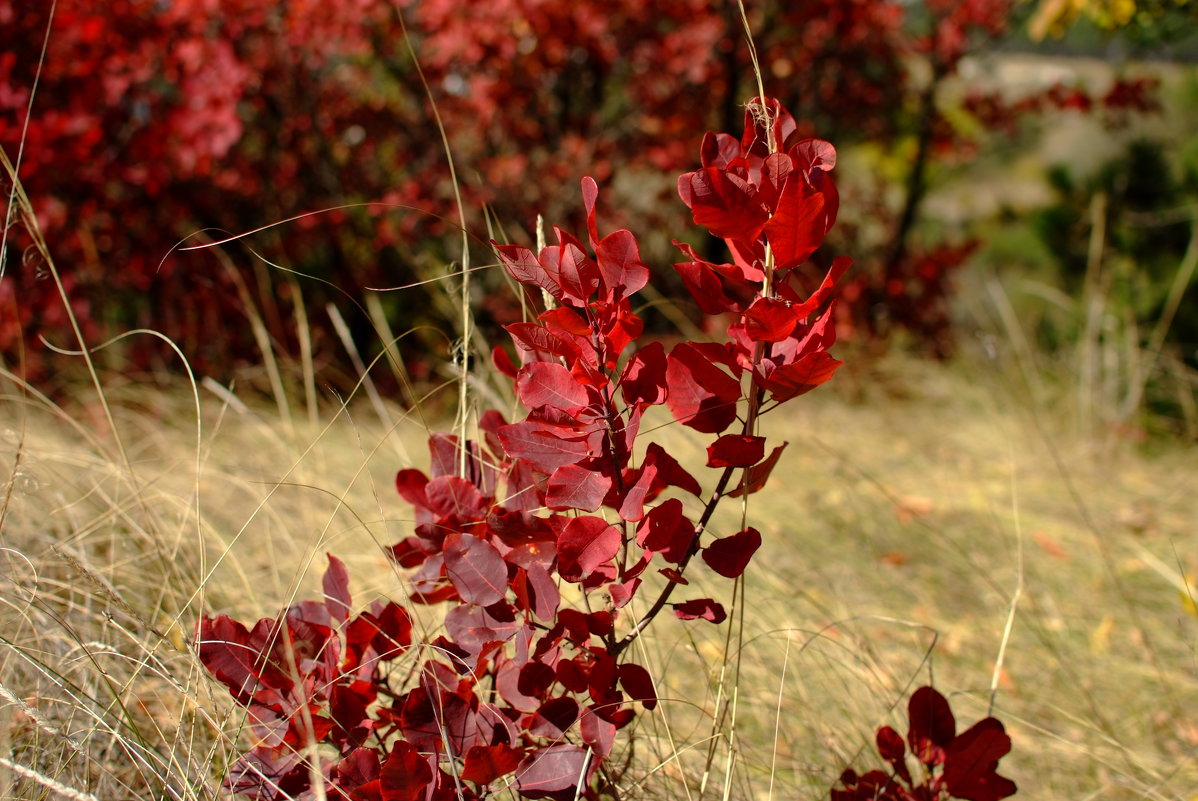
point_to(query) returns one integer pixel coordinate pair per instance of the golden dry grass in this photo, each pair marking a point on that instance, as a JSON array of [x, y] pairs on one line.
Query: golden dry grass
[[916, 504]]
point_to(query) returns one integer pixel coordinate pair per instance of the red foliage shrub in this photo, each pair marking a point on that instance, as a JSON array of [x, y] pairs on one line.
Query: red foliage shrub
[[523, 689]]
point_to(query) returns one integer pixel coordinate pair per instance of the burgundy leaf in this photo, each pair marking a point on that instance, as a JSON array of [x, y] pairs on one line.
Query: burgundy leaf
[[669, 471], [451, 495], [475, 568], [758, 474], [735, 450], [410, 485], [545, 595], [405, 774], [701, 395], [550, 384], [597, 732], [554, 718], [225, 650], [359, 767], [890, 744], [644, 377], [704, 608], [667, 531], [632, 505], [542, 445], [585, 543], [673, 575], [932, 726], [637, 682], [336, 589], [486, 763], [971, 763], [894, 750], [575, 486], [551, 772], [394, 630], [729, 556]]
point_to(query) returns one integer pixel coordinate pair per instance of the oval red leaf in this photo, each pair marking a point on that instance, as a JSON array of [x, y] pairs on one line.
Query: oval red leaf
[[729, 556], [475, 569]]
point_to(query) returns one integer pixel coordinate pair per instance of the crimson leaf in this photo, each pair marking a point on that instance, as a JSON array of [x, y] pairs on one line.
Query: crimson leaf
[[552, 772], [729, 556], [971, 763], [758, 474], [585, 543], [704, 608], [735, 450], [932, 726], [701, 395], [475, 568]]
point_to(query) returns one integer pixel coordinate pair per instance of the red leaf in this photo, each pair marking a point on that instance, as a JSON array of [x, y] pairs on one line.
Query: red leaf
[[704, 608], [758, 474], [585, 543], [673, 575], [545, 595], [890, 744], [410, 484], [798, 224], [723, 203], [598, 733], [405, 774], [800, 377], [550, 384], [576, 271], [551, 771], [839, 265], [637, 682], [644, 377], [729, 556], [813, 153], [541, 445], [451, 495], [575, 486], [669, 471], [735, 450], [225, 650], [393, 630], [932, 726], [540, 340], [336, 589], [590, 194], [486, 763], [770, 320], [701, 395], [522, 265], [620, 264], [971, 763], [667, 531], [502, 361], [475, 568]]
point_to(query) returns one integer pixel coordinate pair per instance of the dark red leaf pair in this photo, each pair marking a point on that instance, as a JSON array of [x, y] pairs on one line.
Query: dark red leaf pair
[[963, 766]]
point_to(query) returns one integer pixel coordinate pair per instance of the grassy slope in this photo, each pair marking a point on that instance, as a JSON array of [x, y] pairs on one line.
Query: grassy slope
[[897, 529]]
